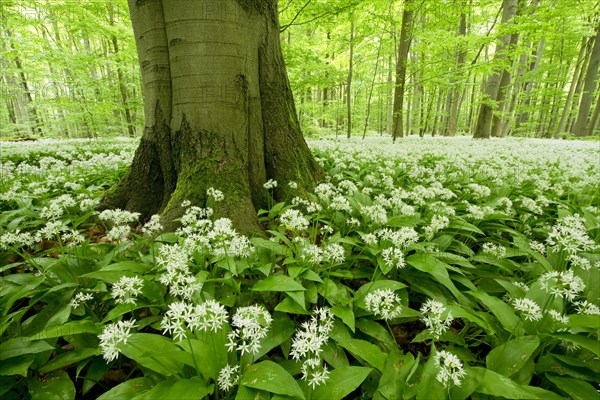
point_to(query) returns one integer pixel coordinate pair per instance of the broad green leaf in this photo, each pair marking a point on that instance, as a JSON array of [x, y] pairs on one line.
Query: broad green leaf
[[157, 353], [271, 377], [378, 332], [290, 306], [341, 382], [209, 352], [16, 366], [68, 329], [505, 313], [282, 329], [346, 314], [494, 384], [395, 374], [113, 272], [580, 340], [20, 346], [68, 358], [429, 387], [471, 316], [365, 351], [575, 388], [128, 389], [426, 262], [508, 358], [56, 386], [584, 321], [277, 283], [462, 225], [181, 389], [122, 309], [246, 393]]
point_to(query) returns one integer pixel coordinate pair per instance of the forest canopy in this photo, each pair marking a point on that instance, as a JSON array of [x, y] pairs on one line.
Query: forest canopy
[[70, 69]]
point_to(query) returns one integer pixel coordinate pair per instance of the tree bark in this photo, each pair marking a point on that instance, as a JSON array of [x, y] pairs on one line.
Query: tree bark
[[579, 129], [461, 58], [401, 62], [219, 111], [489, 101], [349, 83]]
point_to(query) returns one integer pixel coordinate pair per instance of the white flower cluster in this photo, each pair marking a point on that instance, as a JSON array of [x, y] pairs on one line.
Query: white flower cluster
[[112, 336], [570, 234], [384, 303], [495, 250], [126, 289], [270, 184], [584, 307], [375, 213], [153, 226], [57, 207], [530, 309], [229, 376], [251, 325], [402, 237], [183, 317], [432, 315], [80, 298], [451, 368], [294, 220], [438, 222], [216, 194], [313, 254], [120, 220], [393, 257], [562, 284], [307, 345], [177, 275]]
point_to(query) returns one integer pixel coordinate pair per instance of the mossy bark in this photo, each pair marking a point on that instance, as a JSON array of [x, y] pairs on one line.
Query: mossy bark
[[219, 111]]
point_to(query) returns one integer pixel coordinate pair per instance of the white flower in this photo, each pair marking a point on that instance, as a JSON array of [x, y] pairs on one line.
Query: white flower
[[183, 317], [584, 307], [80, 298], [558, 317], [251, 325], [335, 253], [375, 213], [216, 194], [293, 185], [270, 184], [570, 234], [153, 226], [451, 368], [119, 217], [530, 309], [229, 376], [126, 289], [495, 250], [113, 336], [393, 257], [312, 254], [384, 303], [580, 262], [562, 284], [294, 220], [432, 315]]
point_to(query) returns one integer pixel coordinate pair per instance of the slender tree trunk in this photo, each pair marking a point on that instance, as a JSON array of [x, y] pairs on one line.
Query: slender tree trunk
[[218, 108], [580, 127], [401, 64], [370, 95], [594, 120], [569, 101], [390, 98], [349, 87], [461, 58], [490, 96]]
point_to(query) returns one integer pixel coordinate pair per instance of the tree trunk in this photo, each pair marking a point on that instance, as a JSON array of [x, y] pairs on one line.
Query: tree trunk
[[403, 48], [461, 58], [349, 87], [589, 86], [219, 111], [492, 88], [594, 120]]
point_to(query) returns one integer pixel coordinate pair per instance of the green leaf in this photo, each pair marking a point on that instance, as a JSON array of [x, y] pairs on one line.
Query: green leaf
[[462, 225], [68, 358], [271, 377], [378, 332], [181, 389], [290, 306], [281, 330], [122, 309], [495, 384], [367, 288], [585, 342], [346, 314], [246, 393], [68, 329], [584, 321], [128, 389], [429, 387], [471, 316], [56, 386], [277, 283], [157, 353], [574, 388], [209, 352], [505, 313], [16, 366], [20, 346], [426, 262], [508, 358], [395, 374], [341, 382], [113, 272], [366, 351]]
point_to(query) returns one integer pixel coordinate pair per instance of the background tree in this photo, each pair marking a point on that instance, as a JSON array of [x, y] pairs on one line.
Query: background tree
[[219, 111]]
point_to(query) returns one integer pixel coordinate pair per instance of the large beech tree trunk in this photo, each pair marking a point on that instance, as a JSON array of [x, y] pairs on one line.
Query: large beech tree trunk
[[218, 108]]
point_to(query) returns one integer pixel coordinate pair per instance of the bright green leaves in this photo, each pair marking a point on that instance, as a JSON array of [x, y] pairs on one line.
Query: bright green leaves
[[273, 378], [341, 382]]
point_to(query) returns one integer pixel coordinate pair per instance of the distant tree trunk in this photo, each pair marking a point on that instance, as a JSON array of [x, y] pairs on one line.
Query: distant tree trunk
[[390, 98], [370, 95], [219, 112], [523, 117], [580, 127], [489, 101], [569, 101], [349, 87], [403, 48], [594, 120], [456, 89]]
